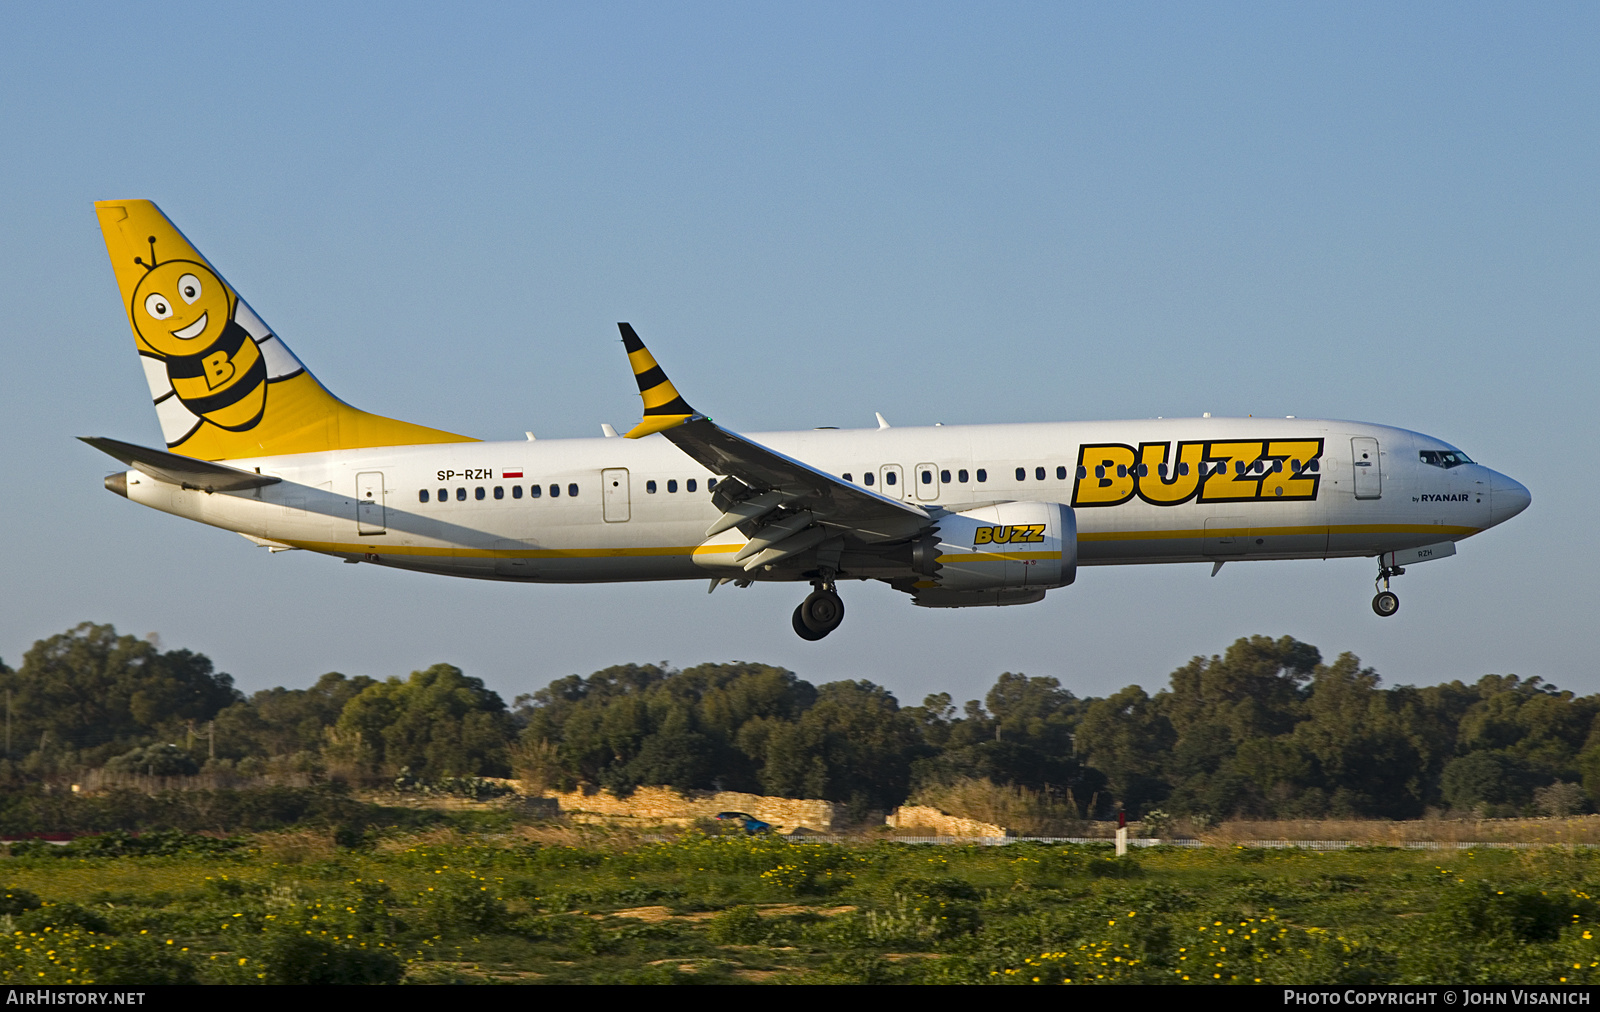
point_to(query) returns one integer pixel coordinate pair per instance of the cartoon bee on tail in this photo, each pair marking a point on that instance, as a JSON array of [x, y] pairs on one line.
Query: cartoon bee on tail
[[204, 335]]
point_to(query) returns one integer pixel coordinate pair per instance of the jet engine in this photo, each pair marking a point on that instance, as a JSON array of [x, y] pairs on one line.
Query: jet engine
[[1009, 553]]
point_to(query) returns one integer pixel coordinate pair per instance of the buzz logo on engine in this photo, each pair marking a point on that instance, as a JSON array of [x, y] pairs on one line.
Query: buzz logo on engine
[[1013, 534], [1164, 474]]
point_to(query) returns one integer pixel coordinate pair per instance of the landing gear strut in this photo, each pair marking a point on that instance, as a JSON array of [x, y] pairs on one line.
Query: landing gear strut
[[820, 613], [1387, 602]]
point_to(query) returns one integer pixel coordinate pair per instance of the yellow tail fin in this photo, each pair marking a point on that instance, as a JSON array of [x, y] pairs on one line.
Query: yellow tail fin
[[224, 385]]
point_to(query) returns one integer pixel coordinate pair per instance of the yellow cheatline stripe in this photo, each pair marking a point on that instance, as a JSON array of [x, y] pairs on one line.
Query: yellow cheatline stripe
[[641, 360], [997, 556], [1443, 531], [509, 553], [662, 393], [655, 423], [726, 549]]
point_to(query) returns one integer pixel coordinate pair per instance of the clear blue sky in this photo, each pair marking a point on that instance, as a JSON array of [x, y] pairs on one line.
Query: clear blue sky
[[957, 213]]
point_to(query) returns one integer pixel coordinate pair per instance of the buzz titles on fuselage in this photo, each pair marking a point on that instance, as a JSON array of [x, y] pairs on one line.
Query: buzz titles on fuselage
[[1222, 470], [183, 314]]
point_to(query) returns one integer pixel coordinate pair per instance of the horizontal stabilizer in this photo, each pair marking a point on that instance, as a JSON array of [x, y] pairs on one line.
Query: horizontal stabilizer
[[177, 469]]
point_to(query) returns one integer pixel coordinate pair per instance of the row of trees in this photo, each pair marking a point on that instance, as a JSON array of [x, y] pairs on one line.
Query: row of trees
[[1265, 729]]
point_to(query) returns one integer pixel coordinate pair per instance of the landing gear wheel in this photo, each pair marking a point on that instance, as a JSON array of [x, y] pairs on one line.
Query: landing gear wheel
[[822, 611], [800, 626], [1386, 603]]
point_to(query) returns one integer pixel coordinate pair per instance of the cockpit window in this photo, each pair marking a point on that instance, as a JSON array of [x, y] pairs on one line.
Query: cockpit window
[[1443, 458]]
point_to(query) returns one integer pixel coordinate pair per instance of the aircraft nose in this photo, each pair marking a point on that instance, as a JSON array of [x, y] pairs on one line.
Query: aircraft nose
[[1507, 498]]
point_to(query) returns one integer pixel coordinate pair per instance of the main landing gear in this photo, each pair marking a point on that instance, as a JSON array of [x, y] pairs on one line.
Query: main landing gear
[[1387, 602], [820, 613]]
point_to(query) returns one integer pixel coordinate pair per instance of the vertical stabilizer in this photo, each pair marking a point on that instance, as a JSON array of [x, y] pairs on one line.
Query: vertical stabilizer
[[223, 383]]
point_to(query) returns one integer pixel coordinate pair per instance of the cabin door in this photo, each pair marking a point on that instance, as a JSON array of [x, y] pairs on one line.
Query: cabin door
[[614, 492], [1368, 467], [369, 503]]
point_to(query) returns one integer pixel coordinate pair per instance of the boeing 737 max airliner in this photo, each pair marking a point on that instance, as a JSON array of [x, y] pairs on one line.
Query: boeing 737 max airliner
[[954, 516]]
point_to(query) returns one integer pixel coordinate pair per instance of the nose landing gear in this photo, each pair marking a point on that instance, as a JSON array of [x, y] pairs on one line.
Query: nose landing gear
[[820, 613], [1387, 602]]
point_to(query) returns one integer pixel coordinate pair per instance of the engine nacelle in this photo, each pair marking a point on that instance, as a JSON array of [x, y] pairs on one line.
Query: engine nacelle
[[1010, 553]]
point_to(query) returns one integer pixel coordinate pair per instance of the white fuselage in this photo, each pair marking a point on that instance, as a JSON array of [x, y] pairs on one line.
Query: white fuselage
[[615, 509]]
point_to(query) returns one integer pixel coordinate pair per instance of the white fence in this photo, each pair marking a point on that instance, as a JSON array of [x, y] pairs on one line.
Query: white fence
[[1000, 841]]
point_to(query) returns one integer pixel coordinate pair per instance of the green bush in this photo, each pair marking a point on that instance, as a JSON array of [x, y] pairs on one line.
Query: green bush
[[461, 904], [739, 925], [1478, 910], [291, 953], [1114, 867], [63, 915], [16, 901], [74, 956]]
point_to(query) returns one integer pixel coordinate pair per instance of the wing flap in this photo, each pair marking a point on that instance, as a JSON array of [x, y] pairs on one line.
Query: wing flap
[[835, 501]]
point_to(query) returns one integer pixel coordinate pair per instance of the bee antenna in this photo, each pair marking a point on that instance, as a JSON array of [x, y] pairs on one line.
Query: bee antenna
[[152, 241]]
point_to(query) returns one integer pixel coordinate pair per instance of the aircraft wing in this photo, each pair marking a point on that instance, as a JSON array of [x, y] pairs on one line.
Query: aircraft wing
[[778, 501], [185, 472]]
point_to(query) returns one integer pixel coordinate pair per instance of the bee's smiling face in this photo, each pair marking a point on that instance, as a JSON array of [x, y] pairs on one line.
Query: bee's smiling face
[[180, 307]]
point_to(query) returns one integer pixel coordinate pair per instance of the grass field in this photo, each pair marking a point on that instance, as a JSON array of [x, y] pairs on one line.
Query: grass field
[[548, 906]]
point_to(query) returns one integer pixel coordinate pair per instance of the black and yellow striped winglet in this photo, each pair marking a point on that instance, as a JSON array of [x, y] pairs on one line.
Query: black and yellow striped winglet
[[664, 407]]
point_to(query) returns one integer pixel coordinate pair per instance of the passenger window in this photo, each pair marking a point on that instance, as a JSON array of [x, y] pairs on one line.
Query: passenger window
[[572, 490], [689, 486], [1238, 467], [866, 479], [1061, 473], [1161, 469], [1183, 468], [1083, 472], [555, 491], [961, 476], [944, 476], [983, 475], [534, 491], [478, 492], [516, 491], [1144, 470], [650, 486], [927, 477], [889, 478], [461, 495], [1038, 474], [711, 484], [672, 484], [422, 496], [1122, 470], [1313, 465], [1022, 474], [846, 476], [499, 492], [444, 494]]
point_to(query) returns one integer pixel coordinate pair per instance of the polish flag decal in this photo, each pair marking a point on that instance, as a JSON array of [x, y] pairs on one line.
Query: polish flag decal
[[510, 474]]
